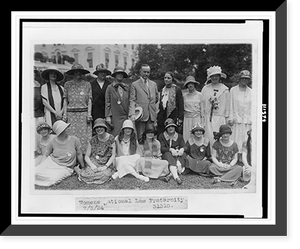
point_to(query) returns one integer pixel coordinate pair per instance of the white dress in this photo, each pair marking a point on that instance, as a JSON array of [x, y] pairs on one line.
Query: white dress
[[240, 114], [218, 94], [193, 112]]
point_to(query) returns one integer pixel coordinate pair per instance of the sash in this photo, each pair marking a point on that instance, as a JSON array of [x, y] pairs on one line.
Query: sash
[[51, 101]]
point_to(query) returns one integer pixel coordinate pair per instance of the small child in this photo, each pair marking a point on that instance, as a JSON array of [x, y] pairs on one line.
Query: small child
[[44, 131]]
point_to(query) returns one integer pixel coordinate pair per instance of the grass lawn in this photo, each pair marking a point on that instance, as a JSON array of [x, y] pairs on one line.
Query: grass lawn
[[189, 181]]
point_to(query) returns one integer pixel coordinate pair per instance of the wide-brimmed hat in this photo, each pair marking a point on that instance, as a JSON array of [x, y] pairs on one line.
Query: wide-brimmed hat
[[190, 79], [59, 126], [100, 122], [43, 126], [45, 73], [169, 122], [215, 70], [245, 74], [127, 124], [120, 70], [197, 127], [138, 113], [102, 69], [77, 68]]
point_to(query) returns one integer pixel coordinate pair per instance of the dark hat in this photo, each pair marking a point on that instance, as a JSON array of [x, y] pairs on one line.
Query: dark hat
[[77, 68], [42, 126], [169, 122], [102, 69], [150, 129], [119, 70], [45, 73], [100, 122], [222, 130]]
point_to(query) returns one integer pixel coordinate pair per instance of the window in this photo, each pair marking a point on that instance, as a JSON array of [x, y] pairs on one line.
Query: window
[[125, 62], [76, 58], [116, 60], [106, 60], [90, 59]]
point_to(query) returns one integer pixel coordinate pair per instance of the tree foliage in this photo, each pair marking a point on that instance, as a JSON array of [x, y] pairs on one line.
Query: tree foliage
[[194, 59]]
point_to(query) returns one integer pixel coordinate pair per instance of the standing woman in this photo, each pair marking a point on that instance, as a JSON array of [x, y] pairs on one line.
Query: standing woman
[[52, 95], [193, 107], [99, 156], [117, 108], [224, 157], [170, 104], [216, 102], [240, 109], [99, 86], [78, 105], [127, 153]]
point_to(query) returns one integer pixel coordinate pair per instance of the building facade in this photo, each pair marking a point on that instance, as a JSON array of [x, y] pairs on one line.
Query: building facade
[[88, 55]]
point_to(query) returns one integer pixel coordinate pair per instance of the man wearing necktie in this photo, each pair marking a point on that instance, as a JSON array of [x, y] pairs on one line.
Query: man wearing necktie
[[144, 93]]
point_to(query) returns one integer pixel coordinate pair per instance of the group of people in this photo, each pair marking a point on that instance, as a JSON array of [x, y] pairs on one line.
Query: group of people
[[102, 131]]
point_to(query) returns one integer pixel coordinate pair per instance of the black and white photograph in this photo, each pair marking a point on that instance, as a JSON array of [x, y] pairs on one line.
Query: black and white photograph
[[165, 122]]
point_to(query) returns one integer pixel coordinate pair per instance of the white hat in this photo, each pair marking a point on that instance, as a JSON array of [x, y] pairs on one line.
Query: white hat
[[138, 113], [59, 126], [215, 70], [127, 124]]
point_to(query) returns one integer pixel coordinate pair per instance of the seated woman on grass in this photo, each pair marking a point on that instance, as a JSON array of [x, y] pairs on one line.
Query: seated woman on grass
[[172, 147], [225, 157], [60, 157], [150, 164], [127, 152], [198, 151], [100, 154]]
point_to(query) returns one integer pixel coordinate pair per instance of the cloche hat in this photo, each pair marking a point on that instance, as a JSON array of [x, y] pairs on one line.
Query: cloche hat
[[77, 68], [42, 126], [102, 69], [245, 74], [120, 70], [45, 73], [222, 130], [100, 122], [169, 122], [190, 79], [127, 124], [59, 126], [197, 127]]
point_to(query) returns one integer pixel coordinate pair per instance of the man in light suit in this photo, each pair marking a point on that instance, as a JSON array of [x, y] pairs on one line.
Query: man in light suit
[[144, 93]]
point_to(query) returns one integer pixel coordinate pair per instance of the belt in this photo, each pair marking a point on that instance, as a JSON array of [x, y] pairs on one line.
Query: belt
[[84, 109]]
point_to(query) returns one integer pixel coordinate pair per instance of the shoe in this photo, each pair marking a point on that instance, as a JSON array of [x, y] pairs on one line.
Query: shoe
[[216, 180], [179, 181], [186, 171], [166, 178]]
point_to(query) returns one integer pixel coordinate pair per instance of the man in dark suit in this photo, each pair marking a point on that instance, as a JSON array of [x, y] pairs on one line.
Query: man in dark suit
[[144, 93], [99, 86]]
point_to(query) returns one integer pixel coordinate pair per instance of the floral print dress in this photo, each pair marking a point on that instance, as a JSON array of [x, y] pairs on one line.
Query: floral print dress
[[78, 96], [101, 152]]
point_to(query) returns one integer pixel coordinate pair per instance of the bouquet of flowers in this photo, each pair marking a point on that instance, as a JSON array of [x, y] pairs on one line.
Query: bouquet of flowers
[[214, 105]]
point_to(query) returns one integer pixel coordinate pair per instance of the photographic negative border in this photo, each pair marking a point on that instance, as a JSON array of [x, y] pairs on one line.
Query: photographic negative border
[[264, 128]]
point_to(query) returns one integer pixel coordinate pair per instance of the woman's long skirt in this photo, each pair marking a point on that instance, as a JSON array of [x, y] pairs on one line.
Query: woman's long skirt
[[99, 177], [49, 173], [126, 164], [80, 128], [227, 175], [198, 166], [239, 134], [152, 167]]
